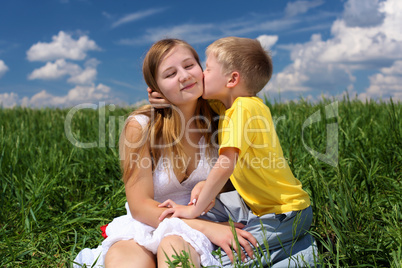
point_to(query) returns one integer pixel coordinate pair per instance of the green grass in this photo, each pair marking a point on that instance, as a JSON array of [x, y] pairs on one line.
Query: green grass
[[55, 196]]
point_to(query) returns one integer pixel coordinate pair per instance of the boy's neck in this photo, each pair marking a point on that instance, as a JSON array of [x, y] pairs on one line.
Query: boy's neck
[[233, 94]]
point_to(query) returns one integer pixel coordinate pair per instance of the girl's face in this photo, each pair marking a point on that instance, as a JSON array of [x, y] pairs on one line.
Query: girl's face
[[180, 77]]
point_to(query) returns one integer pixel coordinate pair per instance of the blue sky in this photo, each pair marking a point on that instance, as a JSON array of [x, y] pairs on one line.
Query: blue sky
[[66, 52]]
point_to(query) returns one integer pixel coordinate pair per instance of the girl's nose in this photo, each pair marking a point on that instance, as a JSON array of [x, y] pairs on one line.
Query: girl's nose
[[184, 75]]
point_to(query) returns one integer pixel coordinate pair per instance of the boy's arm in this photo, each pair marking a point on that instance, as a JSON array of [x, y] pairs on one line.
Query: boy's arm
[[156, 99], [216, 179]]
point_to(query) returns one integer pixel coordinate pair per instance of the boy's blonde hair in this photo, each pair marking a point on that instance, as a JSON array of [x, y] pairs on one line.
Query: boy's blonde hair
[[245, 55]]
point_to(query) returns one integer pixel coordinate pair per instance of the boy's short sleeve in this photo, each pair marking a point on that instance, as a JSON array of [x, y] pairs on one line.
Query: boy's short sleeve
[[232, 129], [217, 106]]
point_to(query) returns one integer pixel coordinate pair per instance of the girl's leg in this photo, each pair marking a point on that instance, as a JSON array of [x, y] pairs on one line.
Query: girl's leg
[[127, 253], [173, 243]]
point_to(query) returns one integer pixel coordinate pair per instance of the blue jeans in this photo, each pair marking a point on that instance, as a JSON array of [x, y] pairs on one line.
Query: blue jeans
[[289, 244]]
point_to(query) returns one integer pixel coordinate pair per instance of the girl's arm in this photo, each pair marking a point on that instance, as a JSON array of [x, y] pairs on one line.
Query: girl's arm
[[221, 234], [139, 186], [216, 179], [143, 207]]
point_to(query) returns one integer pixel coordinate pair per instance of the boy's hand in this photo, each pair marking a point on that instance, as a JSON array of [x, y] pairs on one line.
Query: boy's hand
[[195, 193], [178, 211], [156, 99]]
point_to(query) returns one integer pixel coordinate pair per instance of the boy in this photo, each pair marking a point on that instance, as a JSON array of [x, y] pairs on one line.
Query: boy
[[277, 209]]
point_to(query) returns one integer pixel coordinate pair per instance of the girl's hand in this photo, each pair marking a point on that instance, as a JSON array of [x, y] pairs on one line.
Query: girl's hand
[[221, 235], [156, 99], [176, 210]]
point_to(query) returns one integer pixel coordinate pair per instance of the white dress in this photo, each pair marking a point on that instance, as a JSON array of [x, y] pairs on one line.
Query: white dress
[[165, 187]]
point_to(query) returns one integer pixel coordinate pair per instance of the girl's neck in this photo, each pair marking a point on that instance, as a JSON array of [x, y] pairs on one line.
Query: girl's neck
[[187, 111]]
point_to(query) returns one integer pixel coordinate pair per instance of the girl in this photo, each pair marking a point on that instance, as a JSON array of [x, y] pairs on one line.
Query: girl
[[164, 154]]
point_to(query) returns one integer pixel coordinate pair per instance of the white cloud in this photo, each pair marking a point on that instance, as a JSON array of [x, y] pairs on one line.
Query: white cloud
[[300, 7], [387, 83], [57, 53], [378, 45], [208, 32], [107, 15], [89, 93], [307, 70], [85, 77], [77, 95], [329, 65], [63, 46], [92, 63], [3, 68], [192, 33], [9, 100], [267, 41], [395, 69], [55, 70], [136, 16], [61, 68], [362, 13], [124, 84], [43, 99]]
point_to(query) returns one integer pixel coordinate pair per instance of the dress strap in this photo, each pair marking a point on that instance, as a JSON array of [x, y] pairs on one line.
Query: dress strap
[[141, 119]]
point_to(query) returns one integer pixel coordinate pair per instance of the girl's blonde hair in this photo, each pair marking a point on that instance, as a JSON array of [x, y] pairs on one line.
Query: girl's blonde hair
[[165, 124], [245, 55]]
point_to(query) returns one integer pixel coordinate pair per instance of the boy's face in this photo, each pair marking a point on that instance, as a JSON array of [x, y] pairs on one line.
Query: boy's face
[[214, 80]]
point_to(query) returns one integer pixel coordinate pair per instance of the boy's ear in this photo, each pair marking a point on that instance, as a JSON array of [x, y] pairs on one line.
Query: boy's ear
[[233, 80]]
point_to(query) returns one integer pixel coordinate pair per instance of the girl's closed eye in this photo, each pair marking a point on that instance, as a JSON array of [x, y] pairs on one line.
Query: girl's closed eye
[[170, 75], [189, 66]]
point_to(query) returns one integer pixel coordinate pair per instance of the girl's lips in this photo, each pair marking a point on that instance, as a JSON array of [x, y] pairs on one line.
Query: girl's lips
[[189, 86]]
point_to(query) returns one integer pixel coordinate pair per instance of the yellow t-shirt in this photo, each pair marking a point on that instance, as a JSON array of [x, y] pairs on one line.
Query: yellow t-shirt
[[262, 175]]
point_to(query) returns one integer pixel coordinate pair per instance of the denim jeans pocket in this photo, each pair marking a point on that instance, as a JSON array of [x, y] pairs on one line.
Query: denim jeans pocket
[[280, 217]]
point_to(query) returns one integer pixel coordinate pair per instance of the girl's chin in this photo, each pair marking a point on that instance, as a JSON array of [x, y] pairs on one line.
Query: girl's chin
[[188, 101]]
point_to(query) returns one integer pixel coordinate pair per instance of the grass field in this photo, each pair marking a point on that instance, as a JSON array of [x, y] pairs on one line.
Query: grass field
[[54, 196]]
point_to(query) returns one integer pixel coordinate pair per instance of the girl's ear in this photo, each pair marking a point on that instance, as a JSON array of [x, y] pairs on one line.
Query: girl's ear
[[234, 79]]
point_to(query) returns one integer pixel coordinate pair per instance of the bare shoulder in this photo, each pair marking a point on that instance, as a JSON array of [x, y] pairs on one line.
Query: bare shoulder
[[134, 129]]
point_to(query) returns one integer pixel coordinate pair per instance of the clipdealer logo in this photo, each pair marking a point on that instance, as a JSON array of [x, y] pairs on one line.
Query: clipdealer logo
[[331, 153], [330, 156]]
